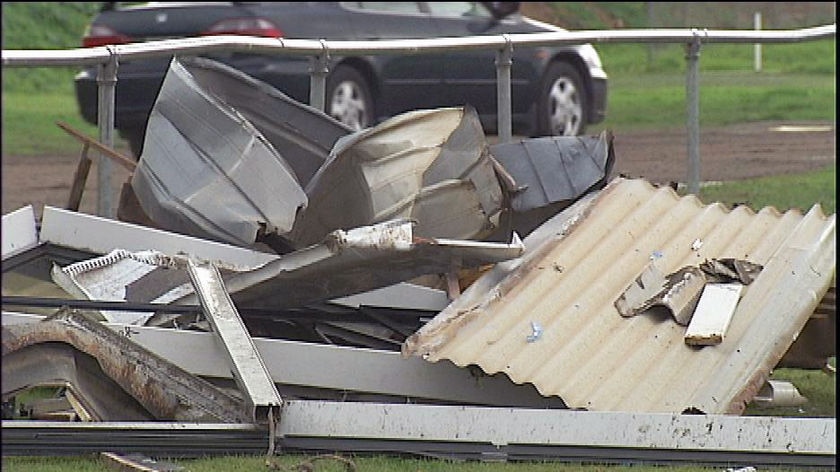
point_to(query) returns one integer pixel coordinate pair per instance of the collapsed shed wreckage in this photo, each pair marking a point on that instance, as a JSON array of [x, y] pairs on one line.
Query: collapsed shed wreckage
[[286, 236]]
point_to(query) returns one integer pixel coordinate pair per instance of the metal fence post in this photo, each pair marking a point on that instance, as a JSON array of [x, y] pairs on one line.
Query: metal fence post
[[504, 59], [106, 80], [318, 78], [692, 87]]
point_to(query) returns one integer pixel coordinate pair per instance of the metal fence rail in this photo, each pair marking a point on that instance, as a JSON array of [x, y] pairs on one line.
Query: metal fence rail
[[108, 58]]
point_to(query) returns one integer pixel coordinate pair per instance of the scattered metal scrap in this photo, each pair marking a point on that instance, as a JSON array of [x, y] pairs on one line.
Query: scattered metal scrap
[[133, 384], [288, 174], [229, 159], [345, 263], [680, 291]]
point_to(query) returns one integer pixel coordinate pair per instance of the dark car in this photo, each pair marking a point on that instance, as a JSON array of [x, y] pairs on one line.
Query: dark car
[[555, 90]]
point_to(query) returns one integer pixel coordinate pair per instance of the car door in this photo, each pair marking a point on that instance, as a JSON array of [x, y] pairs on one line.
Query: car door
[[469, 77], [406, 82]]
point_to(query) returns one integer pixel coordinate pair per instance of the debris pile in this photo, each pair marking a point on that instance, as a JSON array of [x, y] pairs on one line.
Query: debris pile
[[288, 260]]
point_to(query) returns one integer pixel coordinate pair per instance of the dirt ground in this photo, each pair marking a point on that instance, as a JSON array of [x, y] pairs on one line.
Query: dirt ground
[[731, 153]]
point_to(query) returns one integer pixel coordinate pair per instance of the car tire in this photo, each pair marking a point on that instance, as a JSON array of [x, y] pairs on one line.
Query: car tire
[[348, 98], [562, 106]]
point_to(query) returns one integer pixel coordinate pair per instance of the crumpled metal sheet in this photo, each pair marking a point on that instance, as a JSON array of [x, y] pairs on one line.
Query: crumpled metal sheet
[[351, 262], [164, 390], [303, 135], [346, 262], [431, 166], [230, 158], [553, 169], [114, 276], [207, 171]]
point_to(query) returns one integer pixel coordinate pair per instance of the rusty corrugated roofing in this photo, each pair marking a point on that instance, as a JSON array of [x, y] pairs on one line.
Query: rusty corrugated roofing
[[581, 261]]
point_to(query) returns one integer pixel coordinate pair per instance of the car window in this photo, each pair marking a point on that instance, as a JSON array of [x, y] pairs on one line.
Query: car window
[[472, 9], [390, 7]]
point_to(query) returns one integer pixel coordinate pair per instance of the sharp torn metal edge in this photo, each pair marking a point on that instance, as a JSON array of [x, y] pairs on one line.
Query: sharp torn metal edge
[[680, 291], [430, 166], [219, 177], [345, 263]]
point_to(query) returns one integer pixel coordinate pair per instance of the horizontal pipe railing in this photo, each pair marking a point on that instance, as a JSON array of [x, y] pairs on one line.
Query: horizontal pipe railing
[[312, 47], [108, 58]]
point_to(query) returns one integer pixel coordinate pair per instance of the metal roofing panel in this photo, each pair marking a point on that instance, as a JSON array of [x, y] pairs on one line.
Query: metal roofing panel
[[427, 165], [552, 169], [578, 263], [303, 135], [207, 171]]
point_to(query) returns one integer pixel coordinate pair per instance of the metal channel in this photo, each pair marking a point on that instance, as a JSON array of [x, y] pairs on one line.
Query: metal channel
[[41, 438], [250, 372], [521, 426]]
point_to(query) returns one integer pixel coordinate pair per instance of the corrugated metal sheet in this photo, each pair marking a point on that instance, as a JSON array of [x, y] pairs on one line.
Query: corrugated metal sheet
[[549, 318], [207, 171]]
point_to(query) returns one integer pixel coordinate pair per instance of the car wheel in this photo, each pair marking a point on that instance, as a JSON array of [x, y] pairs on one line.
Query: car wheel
[[348, 98], [561, 110]]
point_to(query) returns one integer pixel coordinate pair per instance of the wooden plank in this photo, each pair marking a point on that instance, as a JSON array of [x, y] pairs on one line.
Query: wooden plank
[[117, 157], [713, 313], [79, 180]]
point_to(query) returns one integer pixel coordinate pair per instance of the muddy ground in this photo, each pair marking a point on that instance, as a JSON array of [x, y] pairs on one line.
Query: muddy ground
[[728, 153]]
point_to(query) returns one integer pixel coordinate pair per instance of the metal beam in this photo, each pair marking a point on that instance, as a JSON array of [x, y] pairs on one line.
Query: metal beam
[[517, 426], [339, 368], [261, 396]]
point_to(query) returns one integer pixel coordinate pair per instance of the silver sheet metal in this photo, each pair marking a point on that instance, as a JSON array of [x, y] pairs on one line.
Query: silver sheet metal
[[345, 263], [358, 260], [553, 169], [427, 165], [302, 134], [508, 426], [207, 171]]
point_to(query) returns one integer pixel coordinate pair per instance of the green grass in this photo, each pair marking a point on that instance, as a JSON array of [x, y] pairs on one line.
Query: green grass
[[294, 462], [29, 127], [800, 191]]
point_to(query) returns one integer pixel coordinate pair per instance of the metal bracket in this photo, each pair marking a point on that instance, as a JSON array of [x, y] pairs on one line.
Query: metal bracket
[[318, 77]]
